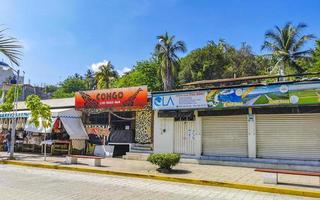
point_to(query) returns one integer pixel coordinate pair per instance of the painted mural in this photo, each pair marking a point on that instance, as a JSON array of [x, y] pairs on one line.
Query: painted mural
[[278, 94]]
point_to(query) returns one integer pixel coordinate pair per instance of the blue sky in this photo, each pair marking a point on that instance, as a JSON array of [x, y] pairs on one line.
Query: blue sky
[[63, 37]]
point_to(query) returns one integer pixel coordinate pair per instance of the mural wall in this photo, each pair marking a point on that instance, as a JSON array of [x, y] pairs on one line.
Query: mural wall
[[279, 94]]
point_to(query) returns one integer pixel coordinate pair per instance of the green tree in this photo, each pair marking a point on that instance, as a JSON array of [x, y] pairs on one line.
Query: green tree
[[243, 62], [221, 60], [316, 54], [204, 63], [40, 115], [69, 86], [166, 50], [143, 73], [10, 47], [9, 98], [315, 62], [73, 84], [286, 45], [51, 88], [60, 93], [105, 75], [89, 79]]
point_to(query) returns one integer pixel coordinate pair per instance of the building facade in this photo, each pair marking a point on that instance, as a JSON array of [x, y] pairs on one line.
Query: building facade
[[273, 121]]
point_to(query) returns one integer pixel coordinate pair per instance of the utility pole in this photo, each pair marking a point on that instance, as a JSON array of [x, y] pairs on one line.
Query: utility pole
[[14, 123]]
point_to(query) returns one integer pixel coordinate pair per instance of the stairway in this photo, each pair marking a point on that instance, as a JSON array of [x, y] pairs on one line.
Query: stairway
[[139, 152]]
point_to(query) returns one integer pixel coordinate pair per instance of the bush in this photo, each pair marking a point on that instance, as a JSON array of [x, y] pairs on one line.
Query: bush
[[164, 160]]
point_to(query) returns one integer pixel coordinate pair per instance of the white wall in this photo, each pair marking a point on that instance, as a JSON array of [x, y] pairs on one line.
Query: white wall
[[163, 134], [198, 142], [252, 141]]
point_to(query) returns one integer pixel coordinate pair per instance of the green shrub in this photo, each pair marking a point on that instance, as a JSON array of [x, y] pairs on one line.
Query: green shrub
[[164, 160]]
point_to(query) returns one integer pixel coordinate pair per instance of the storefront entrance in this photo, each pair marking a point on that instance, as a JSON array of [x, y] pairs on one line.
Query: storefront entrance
[[184, 135]]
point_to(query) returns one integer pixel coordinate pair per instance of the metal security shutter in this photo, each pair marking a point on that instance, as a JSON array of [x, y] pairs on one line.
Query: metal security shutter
[[225, 135], [288, 136]]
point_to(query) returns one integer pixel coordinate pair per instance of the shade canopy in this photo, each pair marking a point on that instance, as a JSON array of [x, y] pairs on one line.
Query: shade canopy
[[70, 119]]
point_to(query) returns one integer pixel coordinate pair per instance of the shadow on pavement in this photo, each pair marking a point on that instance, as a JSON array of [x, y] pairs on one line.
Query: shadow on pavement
[[299, 185], [174, 171]]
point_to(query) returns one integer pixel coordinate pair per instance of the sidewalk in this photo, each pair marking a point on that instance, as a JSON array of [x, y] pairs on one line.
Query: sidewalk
[[240, 175]]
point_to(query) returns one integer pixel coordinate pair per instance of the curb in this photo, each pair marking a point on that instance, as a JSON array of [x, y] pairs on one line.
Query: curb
[[259, 188]]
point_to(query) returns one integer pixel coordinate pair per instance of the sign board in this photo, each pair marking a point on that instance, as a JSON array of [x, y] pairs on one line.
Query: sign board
[[97, 130], [133, 98], [278, 94], [4, 115], [179, 100]]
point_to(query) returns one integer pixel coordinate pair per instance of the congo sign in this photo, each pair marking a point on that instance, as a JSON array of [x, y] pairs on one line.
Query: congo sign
[[133, 98]]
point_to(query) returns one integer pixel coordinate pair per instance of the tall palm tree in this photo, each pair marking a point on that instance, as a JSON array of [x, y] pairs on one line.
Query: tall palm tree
[[9, 47], [89, 79], [286, 44], [105, 74], [166, 50]]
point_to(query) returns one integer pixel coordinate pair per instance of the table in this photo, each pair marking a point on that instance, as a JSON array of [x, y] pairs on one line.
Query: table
[[54, 144]]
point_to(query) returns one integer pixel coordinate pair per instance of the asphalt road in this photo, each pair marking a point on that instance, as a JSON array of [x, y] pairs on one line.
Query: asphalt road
[[21, 183]]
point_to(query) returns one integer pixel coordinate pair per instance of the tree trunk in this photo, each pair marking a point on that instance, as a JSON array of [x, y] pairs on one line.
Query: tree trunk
[[281, 72], [168, 80]]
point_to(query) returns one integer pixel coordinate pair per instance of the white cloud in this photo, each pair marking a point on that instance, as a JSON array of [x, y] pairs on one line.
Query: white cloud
[[95, 66], [124, 70]]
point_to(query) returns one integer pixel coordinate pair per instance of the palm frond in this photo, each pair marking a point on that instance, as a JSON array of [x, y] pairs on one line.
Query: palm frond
[[299, 44], [10, 47], [286, 43]]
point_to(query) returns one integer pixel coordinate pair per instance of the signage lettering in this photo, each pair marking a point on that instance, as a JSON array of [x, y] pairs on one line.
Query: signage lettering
[[299, 93], [133, 98]]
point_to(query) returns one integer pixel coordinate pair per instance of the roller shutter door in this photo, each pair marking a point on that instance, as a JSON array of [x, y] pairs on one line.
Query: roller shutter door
[[225, 135], [288, 136]]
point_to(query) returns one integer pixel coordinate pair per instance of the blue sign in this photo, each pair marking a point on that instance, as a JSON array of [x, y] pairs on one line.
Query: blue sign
[[181, 100]]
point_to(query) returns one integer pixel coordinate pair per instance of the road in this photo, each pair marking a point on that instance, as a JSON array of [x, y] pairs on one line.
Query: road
[[42, 184]]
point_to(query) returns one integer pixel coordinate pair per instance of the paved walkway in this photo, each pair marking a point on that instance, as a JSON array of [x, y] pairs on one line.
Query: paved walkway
[[206, 172], [24, 183]]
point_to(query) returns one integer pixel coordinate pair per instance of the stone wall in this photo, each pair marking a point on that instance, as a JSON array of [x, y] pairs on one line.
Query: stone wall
[[144, 126]]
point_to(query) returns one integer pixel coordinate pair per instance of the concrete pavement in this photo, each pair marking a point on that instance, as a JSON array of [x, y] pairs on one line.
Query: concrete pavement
[[26, 183], [206, 172]]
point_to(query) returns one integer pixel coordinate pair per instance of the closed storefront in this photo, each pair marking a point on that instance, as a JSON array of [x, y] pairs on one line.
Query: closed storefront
[[288, 136], [184, 137], [276, 120], [225, 135]]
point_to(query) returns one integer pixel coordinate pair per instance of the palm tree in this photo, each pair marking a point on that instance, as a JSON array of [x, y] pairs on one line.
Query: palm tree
[[166, 50], [9, 47], [286, 44], [89, 79], [105, 74]]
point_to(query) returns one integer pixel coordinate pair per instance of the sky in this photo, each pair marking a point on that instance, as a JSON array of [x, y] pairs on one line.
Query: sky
[[63, 37]]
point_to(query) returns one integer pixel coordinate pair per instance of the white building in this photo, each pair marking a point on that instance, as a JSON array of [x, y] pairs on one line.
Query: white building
[[6, 73]]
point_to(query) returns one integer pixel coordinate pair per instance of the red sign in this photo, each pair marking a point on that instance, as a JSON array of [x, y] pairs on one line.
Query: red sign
[[132, 98], [102, 131]]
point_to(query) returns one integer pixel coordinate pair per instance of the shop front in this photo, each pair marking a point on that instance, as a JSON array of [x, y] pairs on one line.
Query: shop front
[[65, 134], [273, 121], [6, 125], [115, 119]]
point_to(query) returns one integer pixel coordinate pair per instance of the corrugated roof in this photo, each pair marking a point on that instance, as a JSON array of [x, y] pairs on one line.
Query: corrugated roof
[[53, 103], [247, 78], [202, 82]]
